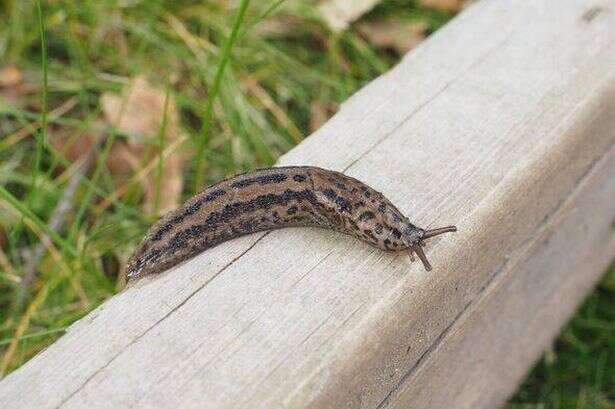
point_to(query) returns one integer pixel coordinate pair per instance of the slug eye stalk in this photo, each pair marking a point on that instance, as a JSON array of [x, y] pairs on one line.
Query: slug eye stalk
[[436, 232], [417, 248]]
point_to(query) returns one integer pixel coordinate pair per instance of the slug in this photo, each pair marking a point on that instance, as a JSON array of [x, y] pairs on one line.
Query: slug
[[274, 198]]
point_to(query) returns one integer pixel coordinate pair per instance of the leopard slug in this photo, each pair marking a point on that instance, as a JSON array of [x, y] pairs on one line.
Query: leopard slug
[[274, 198]]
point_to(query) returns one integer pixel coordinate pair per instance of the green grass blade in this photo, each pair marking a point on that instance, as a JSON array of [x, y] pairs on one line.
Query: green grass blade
[[41, 136], [27, 213], [208, 115]]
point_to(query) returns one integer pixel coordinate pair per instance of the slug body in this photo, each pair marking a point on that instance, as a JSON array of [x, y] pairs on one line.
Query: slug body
[[275, 198]]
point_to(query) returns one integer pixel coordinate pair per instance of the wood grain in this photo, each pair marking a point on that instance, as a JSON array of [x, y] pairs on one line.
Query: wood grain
[[502, 123]]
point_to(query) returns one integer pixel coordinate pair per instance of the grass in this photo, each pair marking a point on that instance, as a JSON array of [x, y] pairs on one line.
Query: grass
[[244, 97], [215, 89], [579, 371]]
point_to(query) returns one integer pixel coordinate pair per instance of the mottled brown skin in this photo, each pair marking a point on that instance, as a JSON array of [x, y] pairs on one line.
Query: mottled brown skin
[[274, 198]]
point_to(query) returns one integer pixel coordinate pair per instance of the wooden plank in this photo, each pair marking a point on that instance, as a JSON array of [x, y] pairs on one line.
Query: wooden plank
[[521, 310], [501, 123]]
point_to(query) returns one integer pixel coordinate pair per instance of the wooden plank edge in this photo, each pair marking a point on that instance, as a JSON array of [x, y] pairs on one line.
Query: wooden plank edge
[[517, 206], [496, 339]]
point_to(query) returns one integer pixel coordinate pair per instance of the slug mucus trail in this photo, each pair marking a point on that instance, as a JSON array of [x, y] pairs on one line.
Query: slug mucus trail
[[275, 198]]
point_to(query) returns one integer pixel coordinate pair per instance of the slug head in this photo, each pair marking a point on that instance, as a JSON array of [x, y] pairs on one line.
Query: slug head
[[415, 237]]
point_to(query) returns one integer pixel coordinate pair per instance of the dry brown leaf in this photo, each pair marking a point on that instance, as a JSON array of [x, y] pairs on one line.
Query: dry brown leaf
[[72, 147], [319, 114], [12, 88], [401, 36], [121, 161], [139, 111], [140, 114], [443, 5], [10, 76]]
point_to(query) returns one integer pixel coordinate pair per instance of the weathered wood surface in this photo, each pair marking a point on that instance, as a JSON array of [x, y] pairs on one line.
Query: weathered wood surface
[[502, 123]]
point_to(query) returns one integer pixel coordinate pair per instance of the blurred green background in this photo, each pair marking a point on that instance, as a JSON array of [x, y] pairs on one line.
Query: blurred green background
[[102, 103]]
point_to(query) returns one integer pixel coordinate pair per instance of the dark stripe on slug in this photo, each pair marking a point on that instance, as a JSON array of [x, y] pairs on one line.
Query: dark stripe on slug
[[299, 178], [180, 238], [382, 207], [248, 226], [162, 231], [154, 255], [262, 180], [292, 210], [366, 215], [188, 211], [231, 211], [396, 233], [343, 204], [214, 195], [192, 209], [151, 257], [330, 194]]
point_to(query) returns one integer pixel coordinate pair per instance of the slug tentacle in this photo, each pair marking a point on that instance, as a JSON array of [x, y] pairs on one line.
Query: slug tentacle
[[436, 232], [417, 248], [275, 198]]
